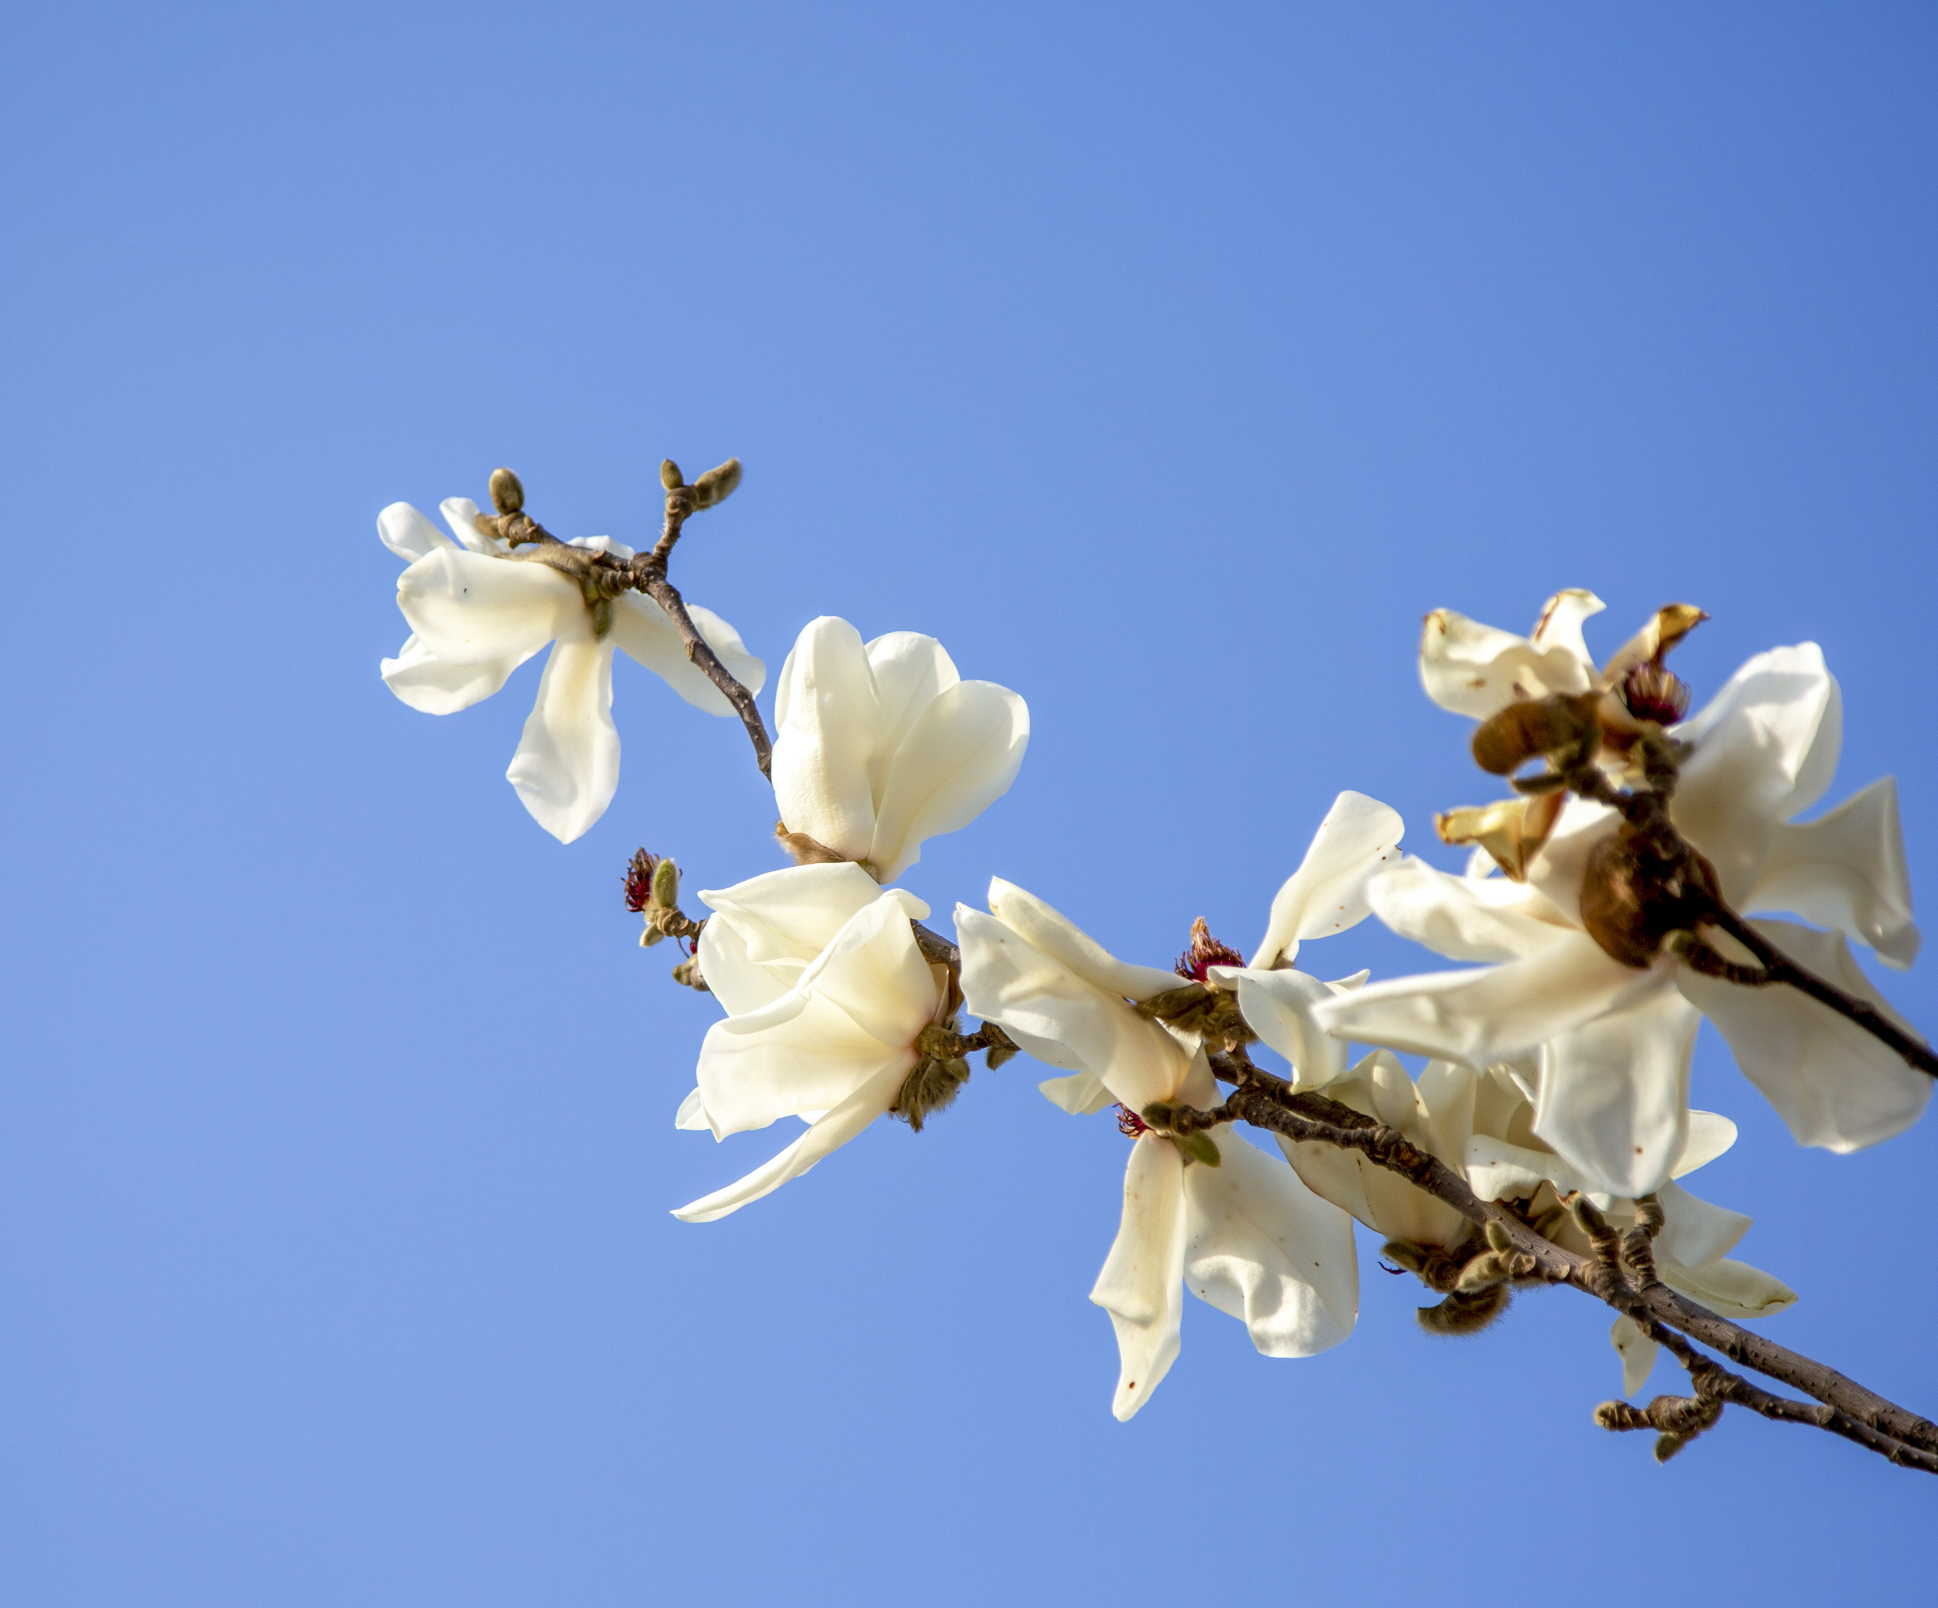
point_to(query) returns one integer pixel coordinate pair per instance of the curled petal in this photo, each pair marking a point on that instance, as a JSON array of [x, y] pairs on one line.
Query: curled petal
[[1729, 1289], [1846, 870], [1263, 1248], [692, 1114], [461, 514], [831, 1131], [425, 682], [1277, 1006], [960, 755], [1695, 1233], [1142, 1282], [1055, 934], [1835, 1085], [1082, 1094], [1475, 669], [1063, 1020], [567, 765], [1327, 894], [642, 631], [874, 973], [407, 533], [1464, 918]]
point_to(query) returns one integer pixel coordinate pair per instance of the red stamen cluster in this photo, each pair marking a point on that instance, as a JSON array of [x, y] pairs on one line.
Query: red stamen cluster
[[1130, 1124], [639, 881], [1205, 952], [1652, 692]]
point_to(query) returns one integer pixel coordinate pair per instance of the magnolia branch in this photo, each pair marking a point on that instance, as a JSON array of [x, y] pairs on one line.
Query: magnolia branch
[[1847, 1408], [603, 577]]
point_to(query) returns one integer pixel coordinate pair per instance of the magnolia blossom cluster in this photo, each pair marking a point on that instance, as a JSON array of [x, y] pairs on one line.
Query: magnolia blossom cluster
[[1556, 1070]]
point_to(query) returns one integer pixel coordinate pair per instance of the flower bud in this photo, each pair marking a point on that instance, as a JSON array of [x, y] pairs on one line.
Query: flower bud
[[669, 475], [1498, 1236], [507, 492], [666, 885], [716, 485], [1198, 1147], [1522, 731], [652, 935]]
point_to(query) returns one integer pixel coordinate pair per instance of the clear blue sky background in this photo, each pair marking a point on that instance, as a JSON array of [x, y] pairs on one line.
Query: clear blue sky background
[[1167, 364]]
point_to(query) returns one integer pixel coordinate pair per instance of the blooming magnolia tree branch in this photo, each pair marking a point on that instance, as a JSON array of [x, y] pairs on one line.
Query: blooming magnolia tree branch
[[1848, 1409], [604, 576]]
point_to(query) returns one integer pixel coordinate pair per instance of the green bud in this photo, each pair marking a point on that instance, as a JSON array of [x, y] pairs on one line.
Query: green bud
[[652, 935], [1498, 1237], [1157, 1114], [997, 1054], [666, 885], [1482, 1273], [716, 485], [669, 475], [688, 972], [507, 493], [1198, 1147]]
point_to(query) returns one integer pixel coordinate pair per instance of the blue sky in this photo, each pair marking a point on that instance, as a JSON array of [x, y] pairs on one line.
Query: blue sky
[[1166, 364]]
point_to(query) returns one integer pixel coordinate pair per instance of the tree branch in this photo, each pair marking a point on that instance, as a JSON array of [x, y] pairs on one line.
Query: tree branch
[[1848, 1409]]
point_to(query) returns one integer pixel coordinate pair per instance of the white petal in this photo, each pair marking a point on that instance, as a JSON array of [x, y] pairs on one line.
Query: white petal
[[641, 630], [1262, 1247], [1835, 1085], [693, 1114], [873, 971], [1694, 1232], [1491, 1013], [756, 1069], [1764, 750], [1561, 621], [1061, 1019], [1476, 670], [1142, 1282], [567, 765], [407, 533], [1082, 1094], [1637, 1351], [461, 514], [742, 984], [960, 755], [831, 1132], [910, 672], [472, 609], [1464, 918], [1615, 1093], [1327, 894], [1277, 1006], [1498, 1170], [793, 914], [425, 682], [1729, 1289], [828, 730], [1055, 934], [1846, 870], [1710, 1134]]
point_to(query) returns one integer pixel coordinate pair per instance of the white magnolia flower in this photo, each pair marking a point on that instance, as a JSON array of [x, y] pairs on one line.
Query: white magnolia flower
[[1614, 1042], [826, 992], [1244, 1235], [881, 746], [478, 611], [1481, 1124]]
